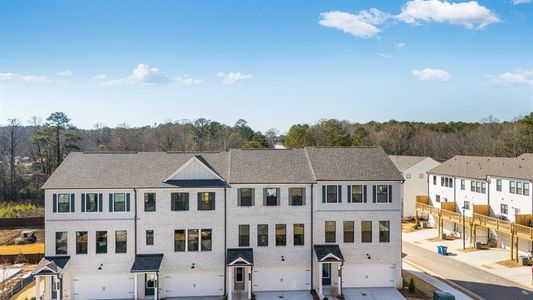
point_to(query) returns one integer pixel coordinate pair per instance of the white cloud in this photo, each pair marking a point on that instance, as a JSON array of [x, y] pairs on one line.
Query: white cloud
[[468, 14], [65, 73], [384, 55], [24, 78], [429, 74], [399, 45], [516, 2], [361, 25], [100, 77], [188, 80], [518, 77], [233, 78]]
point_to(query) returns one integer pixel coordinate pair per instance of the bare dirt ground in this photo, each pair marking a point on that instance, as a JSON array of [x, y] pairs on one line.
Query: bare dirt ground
[[8, 236], [424, 290]]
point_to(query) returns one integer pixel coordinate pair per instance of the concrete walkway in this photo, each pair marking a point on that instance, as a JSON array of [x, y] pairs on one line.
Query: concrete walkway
[[435, 282], [372, 293], [482, 259], [286, 295]]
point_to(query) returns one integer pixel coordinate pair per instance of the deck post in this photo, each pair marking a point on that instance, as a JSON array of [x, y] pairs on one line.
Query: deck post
[[37, 287], [516, 248], [511, 240]]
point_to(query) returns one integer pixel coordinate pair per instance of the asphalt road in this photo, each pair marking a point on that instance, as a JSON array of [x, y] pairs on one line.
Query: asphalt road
[[482, 283]]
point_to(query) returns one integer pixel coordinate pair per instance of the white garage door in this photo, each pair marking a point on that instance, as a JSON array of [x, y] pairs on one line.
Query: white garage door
[[193, 284], [281, 279], [368, 275], [109, 286]]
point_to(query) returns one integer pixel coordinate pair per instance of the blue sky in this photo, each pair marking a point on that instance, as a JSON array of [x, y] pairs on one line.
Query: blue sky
[[273, 63]]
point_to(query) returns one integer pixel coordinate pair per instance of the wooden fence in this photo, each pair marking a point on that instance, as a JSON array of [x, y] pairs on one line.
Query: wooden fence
[[31, 222]]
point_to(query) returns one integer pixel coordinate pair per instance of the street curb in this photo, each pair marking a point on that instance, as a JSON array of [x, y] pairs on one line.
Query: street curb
[[453, 284]]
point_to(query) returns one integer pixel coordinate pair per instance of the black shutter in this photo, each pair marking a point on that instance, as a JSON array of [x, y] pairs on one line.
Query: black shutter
[[374, 194], [187, 200], [54, 202], [390, 193], [323, 194], [239, 193], [82, 202], [212, 199], [278, 196], [100, 202], [127, 201], [72, 203], [110, 202], [303, 196], [173, 197], [349, 192], [339, 194], [364, 194], [198, 196]]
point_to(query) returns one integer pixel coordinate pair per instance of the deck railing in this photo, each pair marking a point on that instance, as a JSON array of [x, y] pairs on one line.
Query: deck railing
[[432, 210], [493, 223], [524, 232]]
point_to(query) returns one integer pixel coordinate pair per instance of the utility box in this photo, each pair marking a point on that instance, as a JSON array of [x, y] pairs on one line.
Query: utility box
[[440, 295]]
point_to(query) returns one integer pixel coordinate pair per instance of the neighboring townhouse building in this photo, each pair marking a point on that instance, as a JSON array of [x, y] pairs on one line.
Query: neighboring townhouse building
[[504, 184], [162, 225], [414, 170]]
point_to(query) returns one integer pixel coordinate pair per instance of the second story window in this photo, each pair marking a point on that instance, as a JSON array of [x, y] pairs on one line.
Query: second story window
[[119, 202], [179, 201], [462, 184], [245, 197], [149, 201], [262, 235], [366, 231], [357, 193], [179, 240], [206, 201], [281, 235], [331, 194], [384, 231], [63, 203], [512, 187], [91, 202], [244, 235], [348, 231], [434, 180], [298, 234], [296, 196], [271, 197], [149, 237], [101, 242], [192, 240], [499, 185], [61, 243], [382, 193], [207, 239], [121, 241], [81, 242], [330, 232]]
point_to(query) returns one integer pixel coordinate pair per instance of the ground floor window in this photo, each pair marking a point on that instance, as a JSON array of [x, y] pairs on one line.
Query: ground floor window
[[207, 242], [121, 241], [81, 242], [298, 230], [101, 242], [366, 231], [504, 209], [179, 240], [281, 235], [192, 240], [348, 231], [384, 231], [244, 235], [262, 235], [330, 231], [149, 237]]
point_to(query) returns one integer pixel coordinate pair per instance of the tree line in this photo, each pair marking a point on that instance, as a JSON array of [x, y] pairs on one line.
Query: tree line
[[30, 153]]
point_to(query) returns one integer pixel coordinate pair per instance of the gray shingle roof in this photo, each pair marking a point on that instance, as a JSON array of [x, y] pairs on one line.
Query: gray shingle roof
[[479, 167], [269, 166], [150, 169], [322, 251], [246, 254], [352, 163], [404, 162]]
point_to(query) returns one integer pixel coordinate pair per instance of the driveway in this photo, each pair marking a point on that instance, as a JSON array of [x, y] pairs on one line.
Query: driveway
[[286, 295], [384, 293]]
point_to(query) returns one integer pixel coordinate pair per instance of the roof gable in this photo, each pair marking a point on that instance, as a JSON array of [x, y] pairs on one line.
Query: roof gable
[[196, 168]]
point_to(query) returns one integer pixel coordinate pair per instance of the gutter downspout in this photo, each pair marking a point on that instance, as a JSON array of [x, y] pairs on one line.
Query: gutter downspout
[[312, 233]]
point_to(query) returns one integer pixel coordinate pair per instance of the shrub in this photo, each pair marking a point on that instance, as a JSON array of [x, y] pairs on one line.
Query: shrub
[[412, 286]]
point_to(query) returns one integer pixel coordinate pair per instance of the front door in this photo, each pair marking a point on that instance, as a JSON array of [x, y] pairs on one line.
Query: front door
[[149, 286], [239, 278], [54, 287], [326, 274]]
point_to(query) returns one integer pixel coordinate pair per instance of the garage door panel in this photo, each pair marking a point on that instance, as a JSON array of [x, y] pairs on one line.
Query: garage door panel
[[368, 275], [277, 279], [193, 284], [118, 286]]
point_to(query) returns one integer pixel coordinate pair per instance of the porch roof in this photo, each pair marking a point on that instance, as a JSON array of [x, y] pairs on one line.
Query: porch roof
[[146, 263], [240, 256], [325, 253], [51, 265]]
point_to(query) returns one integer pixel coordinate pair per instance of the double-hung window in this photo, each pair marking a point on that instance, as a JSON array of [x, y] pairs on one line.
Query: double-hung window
[[462, 184], [179, 240], [512, 187], [179, 201], [298, 234], [245, 196], [61, 243], [101, 242], [472, 186], [348, 231], [384, 231], [262, 235], [206, 201], [149, 201], [149, 237], [330, 232], [271, 196], [519, 188], [504, 209], [81, 242], [244, 235], [296, 196], [478, 187], [121, 241], [366, 231], [382, 193], [119, 202], [91, 202], [434, 180], [207, 239], [526, 188], [63, 203], [499, 185], [466, 205], [192, 240], [331, 194], [357, 193], [281, 235]]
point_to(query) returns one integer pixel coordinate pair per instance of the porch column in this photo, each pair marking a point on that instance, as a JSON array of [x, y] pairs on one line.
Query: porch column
[[249, 282], [60, 284], [37, 287], [230, 283], [156, 286], [320, 279], [339, 283]]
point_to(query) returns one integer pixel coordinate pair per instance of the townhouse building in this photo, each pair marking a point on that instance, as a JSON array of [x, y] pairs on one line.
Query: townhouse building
[[495, 187], [414, 171], [164, 225]]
